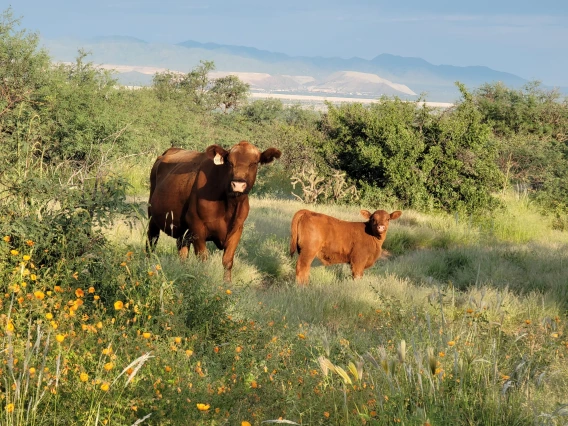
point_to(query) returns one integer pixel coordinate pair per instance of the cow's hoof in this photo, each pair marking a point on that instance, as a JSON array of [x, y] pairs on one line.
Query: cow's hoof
[[183, 252]]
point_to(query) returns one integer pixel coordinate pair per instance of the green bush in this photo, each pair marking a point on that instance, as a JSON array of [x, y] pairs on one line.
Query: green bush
[[417, 157]]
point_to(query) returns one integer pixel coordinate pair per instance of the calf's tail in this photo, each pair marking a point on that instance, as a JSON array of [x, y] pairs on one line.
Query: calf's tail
[[294, 232]]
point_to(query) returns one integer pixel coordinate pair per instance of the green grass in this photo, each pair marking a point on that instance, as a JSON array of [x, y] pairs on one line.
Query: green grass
[[462, 323]]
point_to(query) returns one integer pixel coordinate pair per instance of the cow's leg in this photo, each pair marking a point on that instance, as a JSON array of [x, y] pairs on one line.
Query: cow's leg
[[183, 247], [229, 253], [153, 236], [357, 270], [303, 266]]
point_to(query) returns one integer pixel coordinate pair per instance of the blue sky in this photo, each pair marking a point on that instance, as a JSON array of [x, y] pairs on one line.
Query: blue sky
[[527, 38]]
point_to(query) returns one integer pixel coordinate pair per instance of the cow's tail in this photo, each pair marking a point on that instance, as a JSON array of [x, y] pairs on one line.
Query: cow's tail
[[294, 232]]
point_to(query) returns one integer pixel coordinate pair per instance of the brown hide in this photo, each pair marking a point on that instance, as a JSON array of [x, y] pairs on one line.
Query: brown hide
[[203, 196], [336, 241]]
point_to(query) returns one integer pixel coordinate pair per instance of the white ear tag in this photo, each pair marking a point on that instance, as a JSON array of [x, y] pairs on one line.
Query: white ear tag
[[218, 160]]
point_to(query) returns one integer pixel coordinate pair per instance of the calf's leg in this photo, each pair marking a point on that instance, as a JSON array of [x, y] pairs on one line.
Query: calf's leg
[[303, 266]]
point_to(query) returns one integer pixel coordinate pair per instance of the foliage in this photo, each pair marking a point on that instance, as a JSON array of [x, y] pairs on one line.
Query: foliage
[[198, 92], [190, 89], [532, 126], [263, 110], [531, 110], [459, 160], [229, 92], [415, 156]]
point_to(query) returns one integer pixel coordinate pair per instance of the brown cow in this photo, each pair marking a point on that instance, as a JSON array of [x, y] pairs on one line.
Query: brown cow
[[336, 241], [203, 196]]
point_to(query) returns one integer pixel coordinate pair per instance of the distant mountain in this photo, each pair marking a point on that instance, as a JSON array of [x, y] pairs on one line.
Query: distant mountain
[[361, 83], [385, 74], [341, 83]]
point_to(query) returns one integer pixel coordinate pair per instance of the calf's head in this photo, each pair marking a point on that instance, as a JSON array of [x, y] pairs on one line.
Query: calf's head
[[378, 222], [241, 164]]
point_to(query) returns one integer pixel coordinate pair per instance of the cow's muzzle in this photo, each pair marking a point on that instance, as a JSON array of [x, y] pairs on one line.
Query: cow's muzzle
[[238, 186]]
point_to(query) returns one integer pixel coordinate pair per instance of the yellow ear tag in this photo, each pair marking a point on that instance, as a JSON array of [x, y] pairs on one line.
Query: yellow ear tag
[[218, 160]]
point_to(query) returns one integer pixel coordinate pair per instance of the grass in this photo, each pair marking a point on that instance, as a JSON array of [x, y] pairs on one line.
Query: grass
[[463, 323]]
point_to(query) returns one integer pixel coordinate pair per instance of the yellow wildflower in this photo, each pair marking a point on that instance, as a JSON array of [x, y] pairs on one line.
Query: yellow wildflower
[[26, 257], [39, 295], [14, 252], [109, 366], [7, 238], [60, 338], [105, 387], [146, 335], [10, 407], [203, 407], [83, 377]]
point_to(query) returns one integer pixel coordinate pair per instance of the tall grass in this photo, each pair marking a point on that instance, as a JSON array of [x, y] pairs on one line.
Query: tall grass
[[459, 324]]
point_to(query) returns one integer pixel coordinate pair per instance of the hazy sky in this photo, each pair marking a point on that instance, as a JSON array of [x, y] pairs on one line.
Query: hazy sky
[[527, 38]]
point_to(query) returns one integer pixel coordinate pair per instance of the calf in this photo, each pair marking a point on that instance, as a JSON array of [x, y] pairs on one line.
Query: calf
[[336, 241]]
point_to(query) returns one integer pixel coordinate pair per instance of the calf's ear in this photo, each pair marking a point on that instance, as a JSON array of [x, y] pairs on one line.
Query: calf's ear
[[269, 155], [366, 214], [395, 215], [217, 154]]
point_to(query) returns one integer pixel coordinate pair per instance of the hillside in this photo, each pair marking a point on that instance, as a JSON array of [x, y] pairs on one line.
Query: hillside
[[398, 75]]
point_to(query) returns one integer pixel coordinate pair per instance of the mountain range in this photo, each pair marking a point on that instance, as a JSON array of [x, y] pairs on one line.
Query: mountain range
[[137, 60]]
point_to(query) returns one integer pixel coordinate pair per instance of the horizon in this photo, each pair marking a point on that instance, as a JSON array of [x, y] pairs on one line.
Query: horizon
[[524, 42]]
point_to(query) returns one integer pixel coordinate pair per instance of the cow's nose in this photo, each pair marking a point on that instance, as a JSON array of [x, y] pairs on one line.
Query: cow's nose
[[238, 186], [382, 228]]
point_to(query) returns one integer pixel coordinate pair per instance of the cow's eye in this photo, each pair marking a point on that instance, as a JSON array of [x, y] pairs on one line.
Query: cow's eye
[[253, 164]]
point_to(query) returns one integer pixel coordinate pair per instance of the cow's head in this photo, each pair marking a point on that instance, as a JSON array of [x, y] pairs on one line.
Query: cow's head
[[241, 163], [378, 222]]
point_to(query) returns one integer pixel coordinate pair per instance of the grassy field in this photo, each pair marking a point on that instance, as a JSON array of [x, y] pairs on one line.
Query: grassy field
[[463, 322]]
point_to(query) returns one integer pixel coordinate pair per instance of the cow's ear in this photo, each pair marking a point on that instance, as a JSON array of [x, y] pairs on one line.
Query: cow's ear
[[217, 154], [269, 155], [366, 214], [395, 215]]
